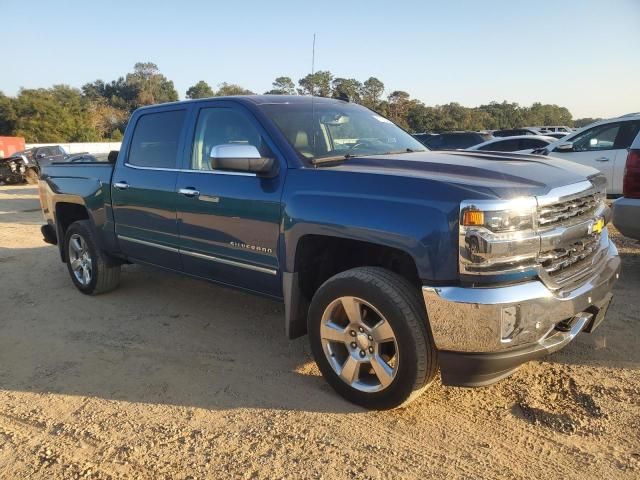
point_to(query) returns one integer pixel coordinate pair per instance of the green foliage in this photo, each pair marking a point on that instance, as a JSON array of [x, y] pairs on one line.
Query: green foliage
[[200, 90], [318, 84], [347, 89], [7, 115], [151, 86], [229, 89], [583, 122], [371, 93], [100, 110], [117, 135], [282, 86], [58, 114]]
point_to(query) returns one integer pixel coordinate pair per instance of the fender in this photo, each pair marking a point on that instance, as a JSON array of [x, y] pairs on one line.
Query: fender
[[339, 208]]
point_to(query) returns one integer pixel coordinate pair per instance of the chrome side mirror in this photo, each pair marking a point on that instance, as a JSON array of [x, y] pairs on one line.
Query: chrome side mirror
[[240, 158], [564, 147]]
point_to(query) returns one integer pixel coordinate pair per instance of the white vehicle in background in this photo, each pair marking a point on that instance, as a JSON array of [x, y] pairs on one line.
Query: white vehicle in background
[[553, 128], [555, 135], [518, 143], [603, 145], [626, 209]]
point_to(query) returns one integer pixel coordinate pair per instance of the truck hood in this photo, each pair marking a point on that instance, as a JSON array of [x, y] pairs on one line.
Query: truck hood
[[503, 175]]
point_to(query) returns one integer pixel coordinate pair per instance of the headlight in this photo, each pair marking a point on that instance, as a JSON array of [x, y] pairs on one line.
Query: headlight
[[498, 235], [513, 215]]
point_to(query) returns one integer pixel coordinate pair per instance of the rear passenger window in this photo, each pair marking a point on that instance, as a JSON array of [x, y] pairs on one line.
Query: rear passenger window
[[155, 139], [626, 135], [503, 146]]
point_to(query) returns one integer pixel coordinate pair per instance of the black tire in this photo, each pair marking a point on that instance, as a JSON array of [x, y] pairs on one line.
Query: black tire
[[31, 176], [402, 306], [105, 274]]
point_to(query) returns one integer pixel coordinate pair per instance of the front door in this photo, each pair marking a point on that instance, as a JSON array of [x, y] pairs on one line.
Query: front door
[[603, 147], [144, 190], [229, 222]]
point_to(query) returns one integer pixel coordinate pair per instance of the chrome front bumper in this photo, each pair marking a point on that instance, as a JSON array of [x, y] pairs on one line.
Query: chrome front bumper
[[470, 319]]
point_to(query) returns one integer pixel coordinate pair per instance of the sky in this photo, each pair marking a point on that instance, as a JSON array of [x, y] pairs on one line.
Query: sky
[[581, 54]]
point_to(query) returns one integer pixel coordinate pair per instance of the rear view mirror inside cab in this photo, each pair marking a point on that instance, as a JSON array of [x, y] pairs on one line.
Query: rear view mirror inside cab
[[334, 119]]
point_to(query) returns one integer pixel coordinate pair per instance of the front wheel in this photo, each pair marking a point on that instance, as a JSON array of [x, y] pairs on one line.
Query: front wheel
[[369, 336], [92, 272]]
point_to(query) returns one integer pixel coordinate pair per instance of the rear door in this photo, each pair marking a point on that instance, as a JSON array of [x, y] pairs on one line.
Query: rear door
[[229, 222], [143, 189]]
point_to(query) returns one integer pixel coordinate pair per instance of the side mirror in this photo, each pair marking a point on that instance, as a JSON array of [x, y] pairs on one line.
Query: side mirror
[[564, 147], [40, 155], [113, 156], [240, 158]]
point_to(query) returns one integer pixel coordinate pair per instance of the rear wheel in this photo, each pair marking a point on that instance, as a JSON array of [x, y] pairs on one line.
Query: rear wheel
[[92, 272], [369, 336]]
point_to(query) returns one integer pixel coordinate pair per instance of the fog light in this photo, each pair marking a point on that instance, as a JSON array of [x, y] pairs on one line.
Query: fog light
[[509, 322]]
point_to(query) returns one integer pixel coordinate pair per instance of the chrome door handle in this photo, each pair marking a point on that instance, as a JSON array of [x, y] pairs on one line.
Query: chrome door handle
[[121, 185], [189, 192], [602, 159]]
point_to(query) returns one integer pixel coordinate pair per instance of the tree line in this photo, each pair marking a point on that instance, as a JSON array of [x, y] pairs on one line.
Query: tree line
[[100, 110]]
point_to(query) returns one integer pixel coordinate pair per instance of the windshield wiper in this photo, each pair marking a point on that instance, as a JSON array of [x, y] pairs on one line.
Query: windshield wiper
[[348, 156]]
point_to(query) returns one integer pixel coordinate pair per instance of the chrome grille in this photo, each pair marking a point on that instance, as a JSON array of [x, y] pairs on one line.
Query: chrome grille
[[560, 259], [568, 210]]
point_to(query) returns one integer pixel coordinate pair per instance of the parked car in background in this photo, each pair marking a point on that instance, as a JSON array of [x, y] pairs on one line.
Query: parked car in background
[[449, 140], [519, 143], [626, 210], [25, 165], [553, 128], [555, 135], [603, 145], [512, 132]]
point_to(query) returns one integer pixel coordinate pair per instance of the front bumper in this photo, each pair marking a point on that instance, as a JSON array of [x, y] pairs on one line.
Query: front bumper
[[626, 216], [466, 323]]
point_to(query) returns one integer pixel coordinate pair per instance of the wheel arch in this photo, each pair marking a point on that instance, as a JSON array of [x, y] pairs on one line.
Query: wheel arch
[[318, 257]]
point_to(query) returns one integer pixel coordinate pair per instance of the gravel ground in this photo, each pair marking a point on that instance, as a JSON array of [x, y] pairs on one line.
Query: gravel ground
[[169, 377]]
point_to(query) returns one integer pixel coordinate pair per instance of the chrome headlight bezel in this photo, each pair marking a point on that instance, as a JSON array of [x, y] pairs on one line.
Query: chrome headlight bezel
[[517, 236], [504, 241]]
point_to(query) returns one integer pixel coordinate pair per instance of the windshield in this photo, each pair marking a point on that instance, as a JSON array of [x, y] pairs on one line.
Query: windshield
[[337, 130]]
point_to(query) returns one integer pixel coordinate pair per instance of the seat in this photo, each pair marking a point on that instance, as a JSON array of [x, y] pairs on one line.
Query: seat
[[301, 144]]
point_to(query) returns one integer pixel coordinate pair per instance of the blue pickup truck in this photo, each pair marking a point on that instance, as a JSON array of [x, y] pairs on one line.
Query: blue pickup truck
[[396, 261]]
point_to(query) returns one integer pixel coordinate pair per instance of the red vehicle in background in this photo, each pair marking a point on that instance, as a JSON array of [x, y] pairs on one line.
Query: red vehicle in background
[[10, 145]]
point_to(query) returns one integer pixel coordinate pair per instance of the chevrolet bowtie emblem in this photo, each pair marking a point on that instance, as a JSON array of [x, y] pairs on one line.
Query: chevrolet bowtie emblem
[[597, 226]]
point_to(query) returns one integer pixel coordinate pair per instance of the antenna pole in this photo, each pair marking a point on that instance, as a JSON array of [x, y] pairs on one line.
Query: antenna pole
[[313, 91], [313, 63]]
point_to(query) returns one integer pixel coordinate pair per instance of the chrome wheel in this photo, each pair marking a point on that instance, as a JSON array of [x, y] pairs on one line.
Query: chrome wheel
[[359, 344], [80, 259]]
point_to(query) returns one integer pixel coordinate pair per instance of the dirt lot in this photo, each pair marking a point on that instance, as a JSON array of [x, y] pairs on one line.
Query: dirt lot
[[168, 377]]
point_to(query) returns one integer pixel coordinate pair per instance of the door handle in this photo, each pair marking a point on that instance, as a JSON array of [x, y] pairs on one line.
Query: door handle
[[602, 159], [189, 192], [121, 185]]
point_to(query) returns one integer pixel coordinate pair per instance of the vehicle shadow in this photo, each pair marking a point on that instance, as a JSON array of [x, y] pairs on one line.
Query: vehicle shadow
[[160, 338]]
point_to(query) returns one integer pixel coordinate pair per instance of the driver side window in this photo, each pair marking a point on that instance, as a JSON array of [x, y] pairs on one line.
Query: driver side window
[[221, 126], [598, 138]]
